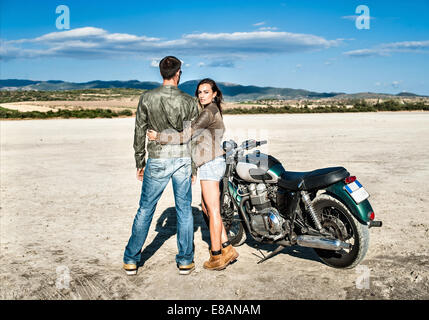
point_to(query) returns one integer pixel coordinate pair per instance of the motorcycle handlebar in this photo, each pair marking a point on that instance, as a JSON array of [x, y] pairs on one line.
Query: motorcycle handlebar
[[246, 145], [249, 144]]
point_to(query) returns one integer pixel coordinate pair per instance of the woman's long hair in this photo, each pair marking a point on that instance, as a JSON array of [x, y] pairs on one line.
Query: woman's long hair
[[218, 98]]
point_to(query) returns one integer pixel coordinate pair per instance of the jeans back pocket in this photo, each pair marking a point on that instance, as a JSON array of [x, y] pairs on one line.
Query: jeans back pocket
[[156, 168]]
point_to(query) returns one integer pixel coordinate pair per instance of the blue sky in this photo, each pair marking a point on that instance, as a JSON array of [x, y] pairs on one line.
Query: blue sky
[[313, 45]]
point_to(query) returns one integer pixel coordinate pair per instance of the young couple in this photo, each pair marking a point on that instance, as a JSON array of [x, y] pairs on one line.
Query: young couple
[[175, 151]]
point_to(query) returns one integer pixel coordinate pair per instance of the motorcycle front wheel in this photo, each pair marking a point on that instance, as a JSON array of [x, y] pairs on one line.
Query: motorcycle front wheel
[[337, 219]]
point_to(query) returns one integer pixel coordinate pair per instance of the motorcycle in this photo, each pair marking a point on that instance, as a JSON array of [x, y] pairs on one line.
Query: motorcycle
[[325, 209]]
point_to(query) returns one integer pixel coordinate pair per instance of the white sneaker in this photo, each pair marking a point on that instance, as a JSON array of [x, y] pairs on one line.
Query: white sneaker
[[130, 269], [186, 269]]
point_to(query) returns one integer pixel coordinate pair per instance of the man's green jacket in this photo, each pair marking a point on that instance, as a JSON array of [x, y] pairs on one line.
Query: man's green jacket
[[164, 108]]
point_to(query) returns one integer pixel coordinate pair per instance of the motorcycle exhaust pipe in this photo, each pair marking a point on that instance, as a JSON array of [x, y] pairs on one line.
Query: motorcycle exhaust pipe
[[321, 243]]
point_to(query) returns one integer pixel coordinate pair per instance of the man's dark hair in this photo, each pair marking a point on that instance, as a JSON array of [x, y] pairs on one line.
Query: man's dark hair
[[169, 66]]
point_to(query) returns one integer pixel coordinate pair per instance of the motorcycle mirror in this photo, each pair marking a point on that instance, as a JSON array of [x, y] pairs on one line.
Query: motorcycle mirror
[[228, 145]]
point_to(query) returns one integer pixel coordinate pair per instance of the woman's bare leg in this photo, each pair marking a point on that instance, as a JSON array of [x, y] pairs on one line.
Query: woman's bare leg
[[210, 195], [205, 213], [224, 237], [203, 205]]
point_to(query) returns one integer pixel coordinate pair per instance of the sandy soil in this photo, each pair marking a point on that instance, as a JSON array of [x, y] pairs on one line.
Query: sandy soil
[[114, 104], [44, 106], [69, 196]]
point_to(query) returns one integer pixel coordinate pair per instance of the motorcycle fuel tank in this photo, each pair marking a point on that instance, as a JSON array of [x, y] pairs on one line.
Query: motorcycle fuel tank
[[259, 167]]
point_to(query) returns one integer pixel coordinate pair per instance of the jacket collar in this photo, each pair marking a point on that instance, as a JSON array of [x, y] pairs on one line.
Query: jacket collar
[[169, 86], [210, 105]]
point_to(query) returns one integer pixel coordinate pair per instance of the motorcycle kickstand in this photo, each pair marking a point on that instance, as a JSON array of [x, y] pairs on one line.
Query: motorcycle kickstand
[[278, 249]]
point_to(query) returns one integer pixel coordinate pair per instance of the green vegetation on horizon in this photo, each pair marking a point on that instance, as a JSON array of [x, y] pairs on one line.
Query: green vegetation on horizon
[[68, 95], [358, 106], [107, 113], [63, 113]]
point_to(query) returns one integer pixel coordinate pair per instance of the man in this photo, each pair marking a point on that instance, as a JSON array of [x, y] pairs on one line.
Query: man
[[165, 108]]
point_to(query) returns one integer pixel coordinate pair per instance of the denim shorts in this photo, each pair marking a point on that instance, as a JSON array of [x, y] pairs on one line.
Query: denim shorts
[[213, 170]]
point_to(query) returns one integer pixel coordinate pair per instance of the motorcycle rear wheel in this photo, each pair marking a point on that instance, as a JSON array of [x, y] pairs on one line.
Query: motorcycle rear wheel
[[340, 222]]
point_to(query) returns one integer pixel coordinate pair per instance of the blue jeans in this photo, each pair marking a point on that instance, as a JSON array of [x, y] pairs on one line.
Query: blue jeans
[[157, 174]]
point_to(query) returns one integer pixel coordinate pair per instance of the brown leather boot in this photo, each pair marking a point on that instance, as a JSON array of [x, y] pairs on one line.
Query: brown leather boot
[[216, 262], [229, 254]]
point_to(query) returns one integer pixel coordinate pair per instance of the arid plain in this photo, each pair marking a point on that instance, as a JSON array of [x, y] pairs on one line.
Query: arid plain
[[69, 196]]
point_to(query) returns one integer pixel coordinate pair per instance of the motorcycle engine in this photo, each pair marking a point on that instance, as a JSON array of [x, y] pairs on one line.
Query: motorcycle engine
[[265, 219]]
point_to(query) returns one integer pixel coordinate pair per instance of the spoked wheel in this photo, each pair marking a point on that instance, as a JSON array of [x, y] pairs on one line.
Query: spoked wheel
[[232, 222], [337, 219]]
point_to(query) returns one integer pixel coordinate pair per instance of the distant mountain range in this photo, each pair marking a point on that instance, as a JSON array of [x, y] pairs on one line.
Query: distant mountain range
[[231, 92]]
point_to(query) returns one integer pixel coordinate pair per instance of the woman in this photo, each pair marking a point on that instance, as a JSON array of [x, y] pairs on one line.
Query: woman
[[208, 155]]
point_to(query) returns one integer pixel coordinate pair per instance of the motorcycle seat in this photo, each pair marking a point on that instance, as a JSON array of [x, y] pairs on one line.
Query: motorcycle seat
[[311, 180]]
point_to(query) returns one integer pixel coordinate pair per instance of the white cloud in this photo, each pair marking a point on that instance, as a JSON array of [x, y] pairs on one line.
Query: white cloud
[[366, 53], [155, 63], [225, 63], [85, 34], [407, 45], [259, 24], [90, 32], [79, 33], [268, 28], [257, 42], [395, 84], [354, 17], [387, 49], [330, 61], [90, 42], [219, 62]]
